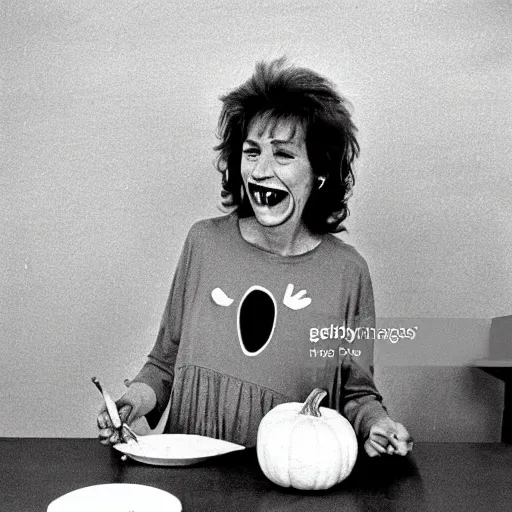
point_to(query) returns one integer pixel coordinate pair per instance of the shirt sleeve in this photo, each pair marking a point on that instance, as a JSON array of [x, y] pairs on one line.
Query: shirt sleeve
[[158, 371], [360, 401], [364, 319]]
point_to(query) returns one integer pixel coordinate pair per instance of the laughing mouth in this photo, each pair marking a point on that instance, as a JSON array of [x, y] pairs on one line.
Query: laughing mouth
[[265, 196]]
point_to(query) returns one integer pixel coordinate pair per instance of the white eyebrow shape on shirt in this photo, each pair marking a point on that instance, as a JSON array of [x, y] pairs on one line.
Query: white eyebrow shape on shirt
[[220, 298], [295, 302]]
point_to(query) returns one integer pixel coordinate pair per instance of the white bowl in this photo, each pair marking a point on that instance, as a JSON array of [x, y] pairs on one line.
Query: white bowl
[[116, 498]]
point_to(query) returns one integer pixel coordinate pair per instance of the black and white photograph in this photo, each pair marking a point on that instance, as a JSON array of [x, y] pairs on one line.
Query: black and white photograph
[[255, 255]]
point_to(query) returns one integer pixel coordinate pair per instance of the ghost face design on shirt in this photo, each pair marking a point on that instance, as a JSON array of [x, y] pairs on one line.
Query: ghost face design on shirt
[[257, 314]]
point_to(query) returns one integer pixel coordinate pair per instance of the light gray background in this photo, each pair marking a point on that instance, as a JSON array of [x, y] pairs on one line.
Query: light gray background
[[109, 111]]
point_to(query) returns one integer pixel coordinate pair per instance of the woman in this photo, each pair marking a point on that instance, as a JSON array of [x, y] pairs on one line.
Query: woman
[[263, 299]]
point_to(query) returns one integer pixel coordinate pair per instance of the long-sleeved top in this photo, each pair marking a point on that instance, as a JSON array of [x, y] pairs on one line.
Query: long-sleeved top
[[245, 329]]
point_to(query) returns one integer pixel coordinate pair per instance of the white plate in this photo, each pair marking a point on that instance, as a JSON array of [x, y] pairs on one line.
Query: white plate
[[176, 449], [116, 498]]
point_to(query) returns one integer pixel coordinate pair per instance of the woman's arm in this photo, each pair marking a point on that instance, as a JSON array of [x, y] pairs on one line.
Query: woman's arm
[[362, 403], [364, 409], [158, 372]]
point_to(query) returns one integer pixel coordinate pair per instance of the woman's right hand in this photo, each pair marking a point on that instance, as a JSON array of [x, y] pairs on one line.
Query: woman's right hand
[[137, 401], [107, 433]]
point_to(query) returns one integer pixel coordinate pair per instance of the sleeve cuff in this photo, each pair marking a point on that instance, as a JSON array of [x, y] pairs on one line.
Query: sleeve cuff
[[161, 383], [363, 413]]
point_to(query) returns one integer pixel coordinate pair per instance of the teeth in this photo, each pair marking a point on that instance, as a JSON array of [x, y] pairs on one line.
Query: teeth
[[266, 197], [259, 197]]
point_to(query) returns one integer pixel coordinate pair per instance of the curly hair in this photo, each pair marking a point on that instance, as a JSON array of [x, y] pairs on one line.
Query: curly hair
[[280, 92]]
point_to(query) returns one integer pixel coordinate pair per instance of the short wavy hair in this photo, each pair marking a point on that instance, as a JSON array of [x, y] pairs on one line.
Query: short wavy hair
[[281, 92]]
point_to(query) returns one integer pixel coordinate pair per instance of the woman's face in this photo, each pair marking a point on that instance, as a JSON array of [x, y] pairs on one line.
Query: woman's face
[[276, 172]]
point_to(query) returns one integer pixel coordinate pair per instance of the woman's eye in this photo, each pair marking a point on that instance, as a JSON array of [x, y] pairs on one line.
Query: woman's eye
[[283, 155], [250, 153]]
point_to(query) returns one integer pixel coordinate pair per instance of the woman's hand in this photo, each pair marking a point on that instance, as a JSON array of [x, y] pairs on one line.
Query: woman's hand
[[388, 437], [138, 400]]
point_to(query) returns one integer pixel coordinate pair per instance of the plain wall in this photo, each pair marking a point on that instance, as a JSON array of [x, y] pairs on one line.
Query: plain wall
[[109, 112]]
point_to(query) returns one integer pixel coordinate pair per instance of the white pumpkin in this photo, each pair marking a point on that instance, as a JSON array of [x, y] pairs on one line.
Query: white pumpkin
[[306, 446]]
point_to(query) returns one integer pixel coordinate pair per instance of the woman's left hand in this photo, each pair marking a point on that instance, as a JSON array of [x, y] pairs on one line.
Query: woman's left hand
[[388, 437]]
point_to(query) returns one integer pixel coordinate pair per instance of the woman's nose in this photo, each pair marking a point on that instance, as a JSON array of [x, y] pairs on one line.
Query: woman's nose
[[263, 168]]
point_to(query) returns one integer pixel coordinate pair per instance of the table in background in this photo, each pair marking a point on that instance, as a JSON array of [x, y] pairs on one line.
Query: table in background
[[499, 364], [502, 369], [435, 477]]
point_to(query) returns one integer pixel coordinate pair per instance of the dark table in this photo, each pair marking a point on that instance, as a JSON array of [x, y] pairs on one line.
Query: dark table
[[435, 477]]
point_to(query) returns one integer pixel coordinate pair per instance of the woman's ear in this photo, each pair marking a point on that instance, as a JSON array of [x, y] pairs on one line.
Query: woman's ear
[[334, 217]]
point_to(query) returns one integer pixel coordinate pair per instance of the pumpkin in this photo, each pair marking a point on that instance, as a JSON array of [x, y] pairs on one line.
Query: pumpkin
[[306, 446]]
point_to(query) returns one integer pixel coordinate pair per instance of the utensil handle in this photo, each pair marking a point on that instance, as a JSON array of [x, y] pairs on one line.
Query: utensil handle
[[111, 405]]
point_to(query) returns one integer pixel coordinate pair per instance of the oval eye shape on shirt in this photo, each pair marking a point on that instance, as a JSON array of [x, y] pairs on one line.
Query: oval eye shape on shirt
[[256, 320]]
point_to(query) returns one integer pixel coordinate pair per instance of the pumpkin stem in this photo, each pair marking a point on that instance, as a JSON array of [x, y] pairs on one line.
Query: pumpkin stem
[[312, 403]]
